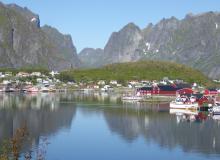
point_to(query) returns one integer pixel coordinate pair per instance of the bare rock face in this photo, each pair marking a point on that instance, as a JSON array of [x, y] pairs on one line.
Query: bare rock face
[[24, 43], [91, 57], [193, 41], [62, 47], [122, 45]]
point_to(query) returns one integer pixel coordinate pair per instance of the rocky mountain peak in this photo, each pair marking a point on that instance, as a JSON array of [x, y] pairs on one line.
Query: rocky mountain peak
[[130, 27], [91, 57], [26, 13], [24, 43], [193, 41]]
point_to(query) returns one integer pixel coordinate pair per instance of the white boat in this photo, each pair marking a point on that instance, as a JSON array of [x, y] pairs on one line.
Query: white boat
[[132, 98], [183, 103], [33, 89], [45, 89], [216, 110], [184, 111]]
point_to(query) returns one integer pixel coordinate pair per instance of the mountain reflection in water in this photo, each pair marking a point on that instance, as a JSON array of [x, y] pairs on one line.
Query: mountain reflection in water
[[48, 114], [41, 113]]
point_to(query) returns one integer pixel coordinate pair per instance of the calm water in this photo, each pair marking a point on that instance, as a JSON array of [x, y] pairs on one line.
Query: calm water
[[98, 126]]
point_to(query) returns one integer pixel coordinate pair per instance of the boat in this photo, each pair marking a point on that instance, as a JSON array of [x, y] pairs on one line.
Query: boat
[[183, 103], [9, 89], [184, 111], [216, 110], [45, 89], [132, 98], [32, 89]]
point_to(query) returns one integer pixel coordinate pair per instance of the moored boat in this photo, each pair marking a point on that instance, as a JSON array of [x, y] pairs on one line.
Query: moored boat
[[216, 110], [183, 103], [184, 111], [132, 98], [45, 89], [33, 89]]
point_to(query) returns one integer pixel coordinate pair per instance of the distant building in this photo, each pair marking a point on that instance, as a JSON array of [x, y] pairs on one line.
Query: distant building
[[39, 80], [113, 82], [2, 75], [8, 74], [53, 73], [5, 82], [119, 85], [38, 74], [22, 74], [101, 82], [96, 87], [133, 82]]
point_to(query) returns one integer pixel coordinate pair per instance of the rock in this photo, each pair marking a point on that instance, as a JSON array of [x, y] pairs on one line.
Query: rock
[[24, 43], [194, 41], [91, 57]]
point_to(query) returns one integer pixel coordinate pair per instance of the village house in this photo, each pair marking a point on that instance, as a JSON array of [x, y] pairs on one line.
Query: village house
[[133, 82], [101, 82], [2, 75], [119, 85], [8, 74], [37, 74], [113, 82], [53, 73], [96, 87], [5, 82], [22, 74]]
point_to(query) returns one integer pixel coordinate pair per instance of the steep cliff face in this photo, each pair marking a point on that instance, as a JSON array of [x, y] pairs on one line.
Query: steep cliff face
[[24, 43], [194, 41], [122, 45], [91, 57], [62, 48]]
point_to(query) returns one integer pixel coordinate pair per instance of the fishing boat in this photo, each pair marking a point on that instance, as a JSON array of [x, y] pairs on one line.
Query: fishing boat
[[132, 98], [33, 89], [216, 110], [184, 111], [183, 103], [45, 89]]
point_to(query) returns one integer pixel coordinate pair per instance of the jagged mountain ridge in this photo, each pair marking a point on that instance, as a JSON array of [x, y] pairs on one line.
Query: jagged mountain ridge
[[92, 61], [24, 43], [193, 41]]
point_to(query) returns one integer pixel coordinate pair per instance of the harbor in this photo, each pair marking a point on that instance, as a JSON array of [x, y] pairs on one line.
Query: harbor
[[67, 115]]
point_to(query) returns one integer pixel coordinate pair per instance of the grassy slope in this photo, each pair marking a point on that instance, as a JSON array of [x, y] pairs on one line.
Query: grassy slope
[[142, 70]]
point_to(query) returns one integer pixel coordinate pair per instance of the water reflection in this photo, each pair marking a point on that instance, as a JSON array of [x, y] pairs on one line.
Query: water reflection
[[92, 97], [189, 115], [42, 114], [47, 114], [166, 130]]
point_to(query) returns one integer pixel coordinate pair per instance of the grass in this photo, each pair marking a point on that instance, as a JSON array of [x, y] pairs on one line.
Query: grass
[[141, 70]]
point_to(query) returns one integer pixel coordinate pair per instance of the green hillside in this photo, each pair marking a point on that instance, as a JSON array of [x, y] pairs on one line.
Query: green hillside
[[142, 70]]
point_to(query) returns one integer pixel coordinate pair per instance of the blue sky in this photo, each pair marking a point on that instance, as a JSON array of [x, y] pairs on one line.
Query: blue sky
[[91, 22]]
